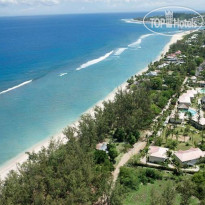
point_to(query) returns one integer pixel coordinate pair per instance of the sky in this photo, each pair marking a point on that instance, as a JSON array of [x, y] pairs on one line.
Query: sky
[[44, 7]]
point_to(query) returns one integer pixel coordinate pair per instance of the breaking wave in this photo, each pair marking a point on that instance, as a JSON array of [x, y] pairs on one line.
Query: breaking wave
[[15, 87], [62, 74], [92, 62], [131, 21], [119, 51], [139, 41]]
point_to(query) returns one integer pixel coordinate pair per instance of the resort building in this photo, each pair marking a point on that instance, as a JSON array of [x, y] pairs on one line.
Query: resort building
[[203, 100], [191, 94], [185, 99], [102, 146], [194, 36], [163, 65], [178, 52], [183, 107], [180, 62], [193, 79], [197, 122], [189, 157], [176, 118], [201, 83], [157, 154], [171, 58], [152, 73]]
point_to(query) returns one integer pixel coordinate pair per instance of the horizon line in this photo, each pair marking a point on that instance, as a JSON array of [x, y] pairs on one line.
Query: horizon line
[[86, 13]]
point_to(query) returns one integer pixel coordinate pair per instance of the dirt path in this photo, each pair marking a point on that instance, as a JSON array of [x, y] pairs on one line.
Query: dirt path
[[125, 158]]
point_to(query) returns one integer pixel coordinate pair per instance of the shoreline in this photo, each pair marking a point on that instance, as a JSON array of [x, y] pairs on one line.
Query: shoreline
[[22, 157]]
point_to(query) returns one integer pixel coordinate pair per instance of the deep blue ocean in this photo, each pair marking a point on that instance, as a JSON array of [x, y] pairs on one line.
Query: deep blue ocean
[[69, 63]]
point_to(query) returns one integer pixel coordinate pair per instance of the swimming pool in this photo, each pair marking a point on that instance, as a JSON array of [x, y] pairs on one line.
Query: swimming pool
[[192, 111], [202, 90]]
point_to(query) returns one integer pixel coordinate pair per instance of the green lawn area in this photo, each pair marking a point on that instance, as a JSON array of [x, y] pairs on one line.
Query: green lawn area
[[183, 146], [178, 131], [142, 196]]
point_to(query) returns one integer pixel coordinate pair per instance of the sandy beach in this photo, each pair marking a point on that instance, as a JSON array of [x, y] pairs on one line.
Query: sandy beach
[[19, 159]]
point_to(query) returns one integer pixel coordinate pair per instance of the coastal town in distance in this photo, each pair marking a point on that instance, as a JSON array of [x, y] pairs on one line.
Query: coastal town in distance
[[130, 124]]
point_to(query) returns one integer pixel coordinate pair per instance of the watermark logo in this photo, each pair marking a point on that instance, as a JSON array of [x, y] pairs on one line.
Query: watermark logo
[[170, 20]]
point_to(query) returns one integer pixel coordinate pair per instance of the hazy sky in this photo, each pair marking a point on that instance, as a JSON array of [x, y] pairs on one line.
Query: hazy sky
[[38, 7]]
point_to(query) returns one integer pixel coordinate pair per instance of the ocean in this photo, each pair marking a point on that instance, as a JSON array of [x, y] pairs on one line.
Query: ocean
[[54, 68]]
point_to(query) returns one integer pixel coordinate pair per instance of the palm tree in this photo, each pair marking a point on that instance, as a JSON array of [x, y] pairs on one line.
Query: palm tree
[[177, 136], [167, 133], [192, 138], [198, 112], [146, 150]]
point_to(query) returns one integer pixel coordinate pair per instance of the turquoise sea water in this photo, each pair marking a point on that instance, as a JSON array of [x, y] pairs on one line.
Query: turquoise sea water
[[73, 61]]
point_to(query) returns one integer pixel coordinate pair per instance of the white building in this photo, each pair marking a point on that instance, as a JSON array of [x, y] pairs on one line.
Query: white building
[[163, 65], [176, 117], [152, 73], [185, 99], [191, 93], [102, 146], [157, 154], [194, 78], [189, 157], [199, 123]]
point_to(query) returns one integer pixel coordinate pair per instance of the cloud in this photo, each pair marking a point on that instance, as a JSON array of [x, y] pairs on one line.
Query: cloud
[[29, 2], [36, 7], [54, 2]]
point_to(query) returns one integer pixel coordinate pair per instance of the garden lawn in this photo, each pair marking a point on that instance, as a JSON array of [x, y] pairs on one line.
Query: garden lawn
[[142, 196]]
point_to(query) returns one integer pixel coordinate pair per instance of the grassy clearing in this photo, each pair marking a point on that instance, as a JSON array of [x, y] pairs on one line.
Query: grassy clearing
[[179, 133], [142, 196]]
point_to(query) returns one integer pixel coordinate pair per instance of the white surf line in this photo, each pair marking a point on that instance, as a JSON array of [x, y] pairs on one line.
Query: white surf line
[[139, 41], [131, 21], [15, 87], [62, 74], [92, 62], [119, 51]]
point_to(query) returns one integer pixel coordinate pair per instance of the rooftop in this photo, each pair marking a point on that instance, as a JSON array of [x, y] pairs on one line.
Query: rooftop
[[183, 106], [188, 155], [159, 152], [203, 99], [185, 98], [200, 121], [102, 146]]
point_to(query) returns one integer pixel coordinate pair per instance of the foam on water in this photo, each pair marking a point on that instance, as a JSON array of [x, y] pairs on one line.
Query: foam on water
[[62, 74], [119, 51], [15, 87], [92, 62], [131, 21], [139, 41]]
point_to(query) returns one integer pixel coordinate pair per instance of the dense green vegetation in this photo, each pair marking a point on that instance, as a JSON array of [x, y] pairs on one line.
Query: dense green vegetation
[[173, 189], [76, 173]]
